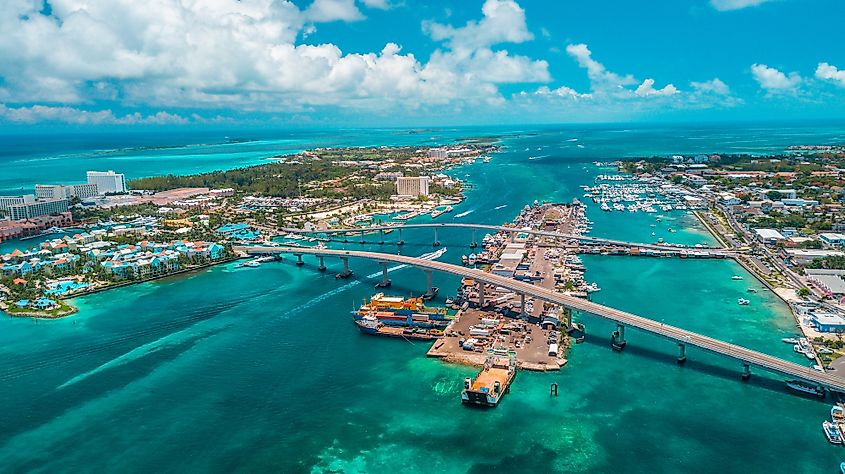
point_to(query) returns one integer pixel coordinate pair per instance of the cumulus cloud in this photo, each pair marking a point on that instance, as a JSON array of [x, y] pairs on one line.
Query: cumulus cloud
[[599, 76], [503, 22], [727, 5], [71, 115], [248, 55], [646, 89], [827, 72], [775, 81], [378, 4], [713, 86]]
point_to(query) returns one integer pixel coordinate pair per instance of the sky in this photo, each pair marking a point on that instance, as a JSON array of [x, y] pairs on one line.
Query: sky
[[311, 63]]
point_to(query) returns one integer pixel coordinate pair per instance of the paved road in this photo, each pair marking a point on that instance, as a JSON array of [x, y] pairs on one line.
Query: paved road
[[621, 317], [496, 228]]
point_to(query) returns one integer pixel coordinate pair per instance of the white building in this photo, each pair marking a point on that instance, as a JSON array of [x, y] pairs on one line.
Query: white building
[[57, 191], [412, 185], [107, 181], [8, 201], [37, 208], [768, 236], [833, 239]]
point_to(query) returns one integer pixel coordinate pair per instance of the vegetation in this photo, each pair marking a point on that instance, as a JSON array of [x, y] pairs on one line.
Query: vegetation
[[833, 262]]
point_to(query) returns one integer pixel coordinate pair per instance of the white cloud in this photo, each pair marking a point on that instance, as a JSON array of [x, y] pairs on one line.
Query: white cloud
[[246, 55], [600, 77], [827, 72], [727, 5], [562, 91], [646, 89], [503, 22], [70, 115], [378, 4], [713, 86], [775, 81]]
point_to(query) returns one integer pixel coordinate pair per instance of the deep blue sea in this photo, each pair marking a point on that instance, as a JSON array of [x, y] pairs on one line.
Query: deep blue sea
[[257, 370]]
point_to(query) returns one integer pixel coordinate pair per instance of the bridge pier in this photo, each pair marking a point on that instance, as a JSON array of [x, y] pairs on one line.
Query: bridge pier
[[400, 242], [322, 266], [474, 242], [346, 273], [385, 282], [299, 261], [617, 339], [682, 353], [512, 236], [431, 290], [436, 242], [381, 237], [522, 303], [481, 295], [362, 238], [746, 372]]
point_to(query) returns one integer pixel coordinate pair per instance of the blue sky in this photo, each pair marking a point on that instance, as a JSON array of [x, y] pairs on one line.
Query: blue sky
[[400, 62]]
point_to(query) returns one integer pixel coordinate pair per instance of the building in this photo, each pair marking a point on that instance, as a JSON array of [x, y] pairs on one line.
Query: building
[[827, 322], [768, 236], [805, 256], [58, 191], [37, 208], [833, 239], [7, 201], [412, 186], [799, 202], [439, 153], [107, 181]]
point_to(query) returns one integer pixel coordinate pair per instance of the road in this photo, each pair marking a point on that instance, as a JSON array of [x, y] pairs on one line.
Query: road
[[676, 334]]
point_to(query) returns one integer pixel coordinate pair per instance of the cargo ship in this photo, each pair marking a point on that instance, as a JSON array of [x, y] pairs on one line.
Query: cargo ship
[[492, 383], [371, 325], [401, 312]]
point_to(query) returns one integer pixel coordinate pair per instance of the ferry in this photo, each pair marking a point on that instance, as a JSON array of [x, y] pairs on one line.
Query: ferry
[[372, 326], [491, 384], [831, 432], [805, 388]]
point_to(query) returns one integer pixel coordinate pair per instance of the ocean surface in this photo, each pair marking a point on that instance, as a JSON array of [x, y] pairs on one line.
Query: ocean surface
[[256, 370]]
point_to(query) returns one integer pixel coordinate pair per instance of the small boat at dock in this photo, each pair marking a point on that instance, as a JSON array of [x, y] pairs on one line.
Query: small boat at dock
[[790, 340], [831, 432], [805, 388]]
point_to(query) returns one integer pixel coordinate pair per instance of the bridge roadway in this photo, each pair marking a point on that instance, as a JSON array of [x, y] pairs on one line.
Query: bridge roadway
[[681, 336], [497, 228]]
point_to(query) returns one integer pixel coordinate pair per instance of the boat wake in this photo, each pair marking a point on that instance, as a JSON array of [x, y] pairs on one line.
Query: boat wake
[[464, 214]]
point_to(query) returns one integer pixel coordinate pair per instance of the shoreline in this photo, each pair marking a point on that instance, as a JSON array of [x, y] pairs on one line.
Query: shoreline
[[75, 309]]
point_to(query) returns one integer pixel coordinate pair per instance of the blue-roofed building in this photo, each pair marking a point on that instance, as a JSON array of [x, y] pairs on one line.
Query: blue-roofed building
[[232, 228], [44, 303]]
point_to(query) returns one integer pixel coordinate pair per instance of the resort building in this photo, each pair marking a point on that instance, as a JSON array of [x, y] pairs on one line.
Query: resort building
[[37, 208], [58, 191], [8, 201], [412, 186], [107, 181]]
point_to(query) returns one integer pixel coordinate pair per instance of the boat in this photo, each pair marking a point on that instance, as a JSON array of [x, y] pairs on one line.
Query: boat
[[752, 290], [736, 277], [842, 467], [492, 383], [439, 212], [251, 264], [837, 414], [472, 259], [790, 340], [824, 350], [465, 260], [743, 302], [374, 327], [805, 388], [831, 432]]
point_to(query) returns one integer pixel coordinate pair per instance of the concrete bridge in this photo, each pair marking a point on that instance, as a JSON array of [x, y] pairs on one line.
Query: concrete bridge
[[495, 228], [622, 319]]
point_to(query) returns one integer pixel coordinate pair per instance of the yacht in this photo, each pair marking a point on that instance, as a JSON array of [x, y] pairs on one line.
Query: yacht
[[736, 277], [790, 340], [837, 414], [472, 259], [831, 432]]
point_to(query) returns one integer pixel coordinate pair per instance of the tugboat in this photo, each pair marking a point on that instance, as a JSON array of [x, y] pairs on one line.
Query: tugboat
[[805, 388]]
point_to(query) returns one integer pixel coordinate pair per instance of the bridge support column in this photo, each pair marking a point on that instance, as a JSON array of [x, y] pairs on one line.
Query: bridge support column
[[522, 303], [431, 291], [381, 237], [400, 242], [682, 353], [299, 261], [385, 282], [617, 339], [746, 372], [436, 242], [362, 238], [513, 236], [474, 242], [346, 273], [322, 266], [481, 295]]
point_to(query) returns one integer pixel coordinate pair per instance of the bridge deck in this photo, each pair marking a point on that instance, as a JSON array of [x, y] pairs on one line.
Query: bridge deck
[[628, 319]]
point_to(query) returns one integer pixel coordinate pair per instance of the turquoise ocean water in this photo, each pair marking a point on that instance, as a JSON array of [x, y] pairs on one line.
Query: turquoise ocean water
[[261, 369]]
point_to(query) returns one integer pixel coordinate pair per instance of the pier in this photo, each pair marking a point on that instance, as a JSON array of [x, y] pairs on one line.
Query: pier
[[746, 357]]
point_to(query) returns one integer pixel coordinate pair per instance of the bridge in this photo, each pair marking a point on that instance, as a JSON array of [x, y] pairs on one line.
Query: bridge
[[496, 228], [622, 319]]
